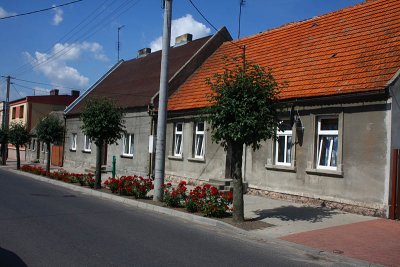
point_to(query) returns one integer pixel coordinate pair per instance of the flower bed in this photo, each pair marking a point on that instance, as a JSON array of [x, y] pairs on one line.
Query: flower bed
[[135, 186], [61, 175], [205, 199]]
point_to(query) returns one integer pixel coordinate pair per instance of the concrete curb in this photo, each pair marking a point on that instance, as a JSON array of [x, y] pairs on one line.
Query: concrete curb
[[205, 221]]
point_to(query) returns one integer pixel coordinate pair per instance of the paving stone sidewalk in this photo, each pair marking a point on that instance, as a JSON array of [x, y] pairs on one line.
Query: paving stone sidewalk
[[361, 237]]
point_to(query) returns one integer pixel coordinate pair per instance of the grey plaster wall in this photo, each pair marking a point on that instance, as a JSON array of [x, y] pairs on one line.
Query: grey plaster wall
[[137, 123], [213, 164], [360, 179], [363, 154]]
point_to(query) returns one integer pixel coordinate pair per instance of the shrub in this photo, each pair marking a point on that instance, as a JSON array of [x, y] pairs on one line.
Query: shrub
[[136, 186], [209, 200], [173, 197]]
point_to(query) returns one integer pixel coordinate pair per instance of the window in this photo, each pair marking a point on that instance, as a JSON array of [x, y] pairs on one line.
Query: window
[[21, 112], [42, 148], [33, 144], [178, 137], [29, 144], [199, 140], [127, 148], [327, 146], [283, 145], [87, 142], [73, 141], [14, 111]]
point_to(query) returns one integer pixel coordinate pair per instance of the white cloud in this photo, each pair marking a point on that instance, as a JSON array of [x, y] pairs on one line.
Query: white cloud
[[57, 19], [4, 13], [54, 64], [185, 24]]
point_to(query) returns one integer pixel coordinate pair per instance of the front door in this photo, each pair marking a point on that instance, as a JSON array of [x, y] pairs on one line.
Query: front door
[[395, 187], [104, 155]]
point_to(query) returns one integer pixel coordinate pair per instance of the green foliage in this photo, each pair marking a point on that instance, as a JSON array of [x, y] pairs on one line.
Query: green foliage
[[18, 134], [244, 104], [102, 121], [50, 130]]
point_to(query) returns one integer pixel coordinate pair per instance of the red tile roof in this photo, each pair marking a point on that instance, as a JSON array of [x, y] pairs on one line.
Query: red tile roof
[[356, 49]]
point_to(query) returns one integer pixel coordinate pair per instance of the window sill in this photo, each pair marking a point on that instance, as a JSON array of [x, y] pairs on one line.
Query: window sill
[[197, 160], [180, 158], [280, 168], [127, 156], [72, 150], [87, 151], [324, 172]]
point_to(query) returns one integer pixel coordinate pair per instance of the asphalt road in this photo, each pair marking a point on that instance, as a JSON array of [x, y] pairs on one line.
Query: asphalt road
[[45, 225]]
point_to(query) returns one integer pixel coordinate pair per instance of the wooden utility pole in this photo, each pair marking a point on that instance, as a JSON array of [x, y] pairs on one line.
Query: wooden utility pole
[[6, 111]]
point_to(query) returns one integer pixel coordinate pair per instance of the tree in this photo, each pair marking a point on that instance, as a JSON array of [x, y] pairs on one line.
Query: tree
[[18, 136], [103, 123], [244, 111], [49, 130]]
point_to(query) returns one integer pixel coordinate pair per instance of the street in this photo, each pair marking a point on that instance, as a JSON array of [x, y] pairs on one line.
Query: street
[[44, 225]]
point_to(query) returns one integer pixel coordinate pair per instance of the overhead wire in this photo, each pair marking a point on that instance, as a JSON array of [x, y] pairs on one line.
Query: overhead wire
[[124, 7], [41, 10]]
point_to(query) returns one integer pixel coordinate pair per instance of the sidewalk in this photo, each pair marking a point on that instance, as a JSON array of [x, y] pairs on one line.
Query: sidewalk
[[361, 237]]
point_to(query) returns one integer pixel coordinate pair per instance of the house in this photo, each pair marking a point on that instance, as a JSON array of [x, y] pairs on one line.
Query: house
[[342, 115], [30, 109], [133, 85]]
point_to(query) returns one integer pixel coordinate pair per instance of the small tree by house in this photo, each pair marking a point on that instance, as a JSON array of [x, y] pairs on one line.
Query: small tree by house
[[18, 136], [243, 111], [103, 123], [49, 130]]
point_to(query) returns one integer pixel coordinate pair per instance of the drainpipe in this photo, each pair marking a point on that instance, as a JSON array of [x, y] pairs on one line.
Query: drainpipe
[[63, 145]]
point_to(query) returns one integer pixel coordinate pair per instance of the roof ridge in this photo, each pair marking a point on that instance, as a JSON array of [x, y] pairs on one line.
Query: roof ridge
[[295, 23]]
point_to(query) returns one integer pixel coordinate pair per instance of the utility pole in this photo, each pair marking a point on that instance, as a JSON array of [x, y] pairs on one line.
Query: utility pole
[[162, 104], [6, 111], [118, 43]]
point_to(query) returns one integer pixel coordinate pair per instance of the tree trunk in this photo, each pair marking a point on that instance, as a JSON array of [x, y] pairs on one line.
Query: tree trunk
[[99, 148], [238, 205], [18, 158], [48, 158]]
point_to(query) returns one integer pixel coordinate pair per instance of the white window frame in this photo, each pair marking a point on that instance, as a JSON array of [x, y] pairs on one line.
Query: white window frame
[[131, 140], [73, 141], [178, 152], [87, 144], [199, 133], [286, 134], [34, 145], [319, 143]]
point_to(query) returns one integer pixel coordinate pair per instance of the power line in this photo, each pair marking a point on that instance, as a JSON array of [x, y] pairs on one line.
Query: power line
[[204, 17], [53, 85], [92, 32], [41, 10]]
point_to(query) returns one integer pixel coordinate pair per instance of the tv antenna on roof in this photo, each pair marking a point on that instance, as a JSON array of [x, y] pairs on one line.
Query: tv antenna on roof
[[241, 3], [118, 43]]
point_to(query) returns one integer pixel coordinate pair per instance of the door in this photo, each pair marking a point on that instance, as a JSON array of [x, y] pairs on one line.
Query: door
[[104, 154], [56, 155]]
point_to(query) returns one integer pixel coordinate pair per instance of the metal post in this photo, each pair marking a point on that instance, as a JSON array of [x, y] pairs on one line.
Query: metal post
[[162, 106], [113, 166], [118, 43]]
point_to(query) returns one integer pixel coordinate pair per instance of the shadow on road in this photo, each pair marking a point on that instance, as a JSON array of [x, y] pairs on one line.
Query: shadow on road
[[8, 258], [292, 213]]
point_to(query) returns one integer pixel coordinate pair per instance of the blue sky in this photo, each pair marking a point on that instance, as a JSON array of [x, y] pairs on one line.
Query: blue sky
[[72, 46]]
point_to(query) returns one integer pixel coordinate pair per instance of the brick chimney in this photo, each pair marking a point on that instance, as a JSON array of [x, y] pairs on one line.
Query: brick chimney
[[183, 39], [143, 52], [54, 92], [75, 93]]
